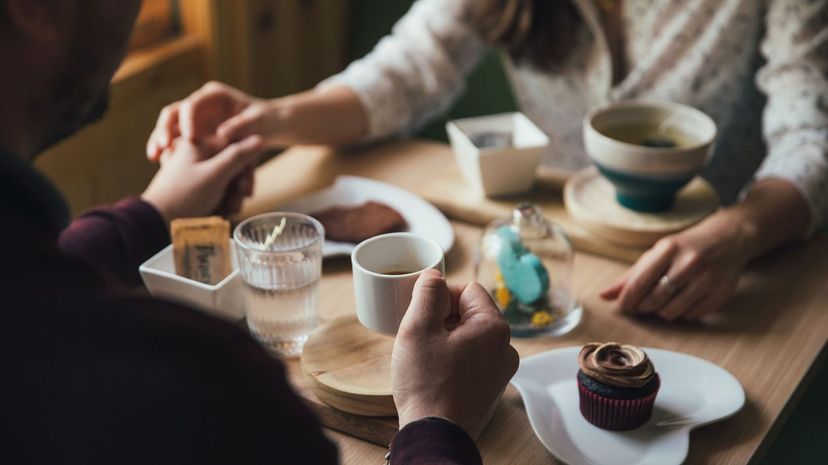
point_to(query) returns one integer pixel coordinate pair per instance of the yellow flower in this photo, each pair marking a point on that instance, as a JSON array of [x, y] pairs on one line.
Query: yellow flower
[[542, 318], [503, 296], [499, 277]]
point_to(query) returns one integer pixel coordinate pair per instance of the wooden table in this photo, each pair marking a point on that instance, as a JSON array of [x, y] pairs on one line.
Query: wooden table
[[770, 335]]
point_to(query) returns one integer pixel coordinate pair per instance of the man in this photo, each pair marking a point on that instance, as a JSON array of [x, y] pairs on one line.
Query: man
[[92, 374]]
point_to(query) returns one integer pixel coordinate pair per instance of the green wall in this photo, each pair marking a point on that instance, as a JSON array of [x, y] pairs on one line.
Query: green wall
[[488, 89], [804, 436]]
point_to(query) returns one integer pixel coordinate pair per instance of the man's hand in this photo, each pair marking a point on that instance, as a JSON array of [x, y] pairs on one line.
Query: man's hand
[[452, 357], [194, 182]]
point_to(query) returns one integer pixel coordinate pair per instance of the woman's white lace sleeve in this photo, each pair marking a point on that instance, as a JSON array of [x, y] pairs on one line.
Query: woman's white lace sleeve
[[795, 80], [418, 70]]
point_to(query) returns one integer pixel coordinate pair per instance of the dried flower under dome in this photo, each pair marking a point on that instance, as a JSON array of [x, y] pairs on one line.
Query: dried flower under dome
[[526, 264]]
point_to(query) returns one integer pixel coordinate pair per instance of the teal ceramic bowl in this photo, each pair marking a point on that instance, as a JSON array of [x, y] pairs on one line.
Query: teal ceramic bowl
[[678, 139]]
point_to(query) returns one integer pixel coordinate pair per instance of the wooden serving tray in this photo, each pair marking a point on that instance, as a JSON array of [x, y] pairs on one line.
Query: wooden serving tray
[[429, 170], [458, 200]]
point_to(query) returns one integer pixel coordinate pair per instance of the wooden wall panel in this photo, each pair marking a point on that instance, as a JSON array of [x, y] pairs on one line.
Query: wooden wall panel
[[154, 24], [270, 47], [295, 43], [217, 24]]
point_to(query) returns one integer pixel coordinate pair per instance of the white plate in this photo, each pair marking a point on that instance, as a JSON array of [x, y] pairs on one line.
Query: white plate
[[422, 217], [694, 392]]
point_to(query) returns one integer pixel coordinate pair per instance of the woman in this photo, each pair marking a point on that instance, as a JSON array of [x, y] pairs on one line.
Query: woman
[[757, 67]]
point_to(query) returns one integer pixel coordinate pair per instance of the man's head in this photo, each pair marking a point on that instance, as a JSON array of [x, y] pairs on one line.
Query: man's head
[[58, 58]]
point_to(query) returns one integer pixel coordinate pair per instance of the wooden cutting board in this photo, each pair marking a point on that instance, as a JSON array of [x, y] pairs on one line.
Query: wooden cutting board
[[429, 170], [450, 193]]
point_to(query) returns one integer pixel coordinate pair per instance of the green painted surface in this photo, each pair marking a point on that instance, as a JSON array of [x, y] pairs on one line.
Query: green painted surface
[[803, 438]]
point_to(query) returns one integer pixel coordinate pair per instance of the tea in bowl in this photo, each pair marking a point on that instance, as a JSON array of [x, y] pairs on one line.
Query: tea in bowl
[[648, 150]]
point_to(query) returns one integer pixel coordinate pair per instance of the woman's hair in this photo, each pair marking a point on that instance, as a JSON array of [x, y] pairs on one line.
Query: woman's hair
[[538, 32]]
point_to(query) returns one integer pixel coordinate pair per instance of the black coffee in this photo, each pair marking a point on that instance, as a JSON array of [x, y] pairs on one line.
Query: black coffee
[[397, 272]]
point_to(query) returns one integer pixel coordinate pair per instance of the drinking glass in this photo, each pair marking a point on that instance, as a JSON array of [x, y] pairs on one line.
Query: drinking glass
[[281, 277]]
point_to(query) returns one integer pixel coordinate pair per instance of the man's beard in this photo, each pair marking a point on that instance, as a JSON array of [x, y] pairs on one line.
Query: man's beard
[[80, 93], [73, 118]]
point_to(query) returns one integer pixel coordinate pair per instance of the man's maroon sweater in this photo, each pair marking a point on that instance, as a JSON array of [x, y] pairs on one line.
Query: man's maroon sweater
[[91, 373]]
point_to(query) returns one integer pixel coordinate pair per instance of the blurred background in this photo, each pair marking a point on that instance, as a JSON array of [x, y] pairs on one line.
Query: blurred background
[[268, 48], [271, 48]]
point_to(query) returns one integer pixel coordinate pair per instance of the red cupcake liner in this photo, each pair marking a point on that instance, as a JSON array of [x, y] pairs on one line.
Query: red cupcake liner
[[616, 414]]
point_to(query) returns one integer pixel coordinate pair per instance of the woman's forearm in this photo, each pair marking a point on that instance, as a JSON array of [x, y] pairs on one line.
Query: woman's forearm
[[330, 116], [773, 213]]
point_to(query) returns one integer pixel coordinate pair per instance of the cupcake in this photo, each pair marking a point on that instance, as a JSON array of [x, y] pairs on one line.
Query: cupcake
[[617, 385]]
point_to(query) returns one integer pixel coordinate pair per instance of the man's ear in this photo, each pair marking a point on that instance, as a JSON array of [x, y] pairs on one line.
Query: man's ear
[[39, 20]]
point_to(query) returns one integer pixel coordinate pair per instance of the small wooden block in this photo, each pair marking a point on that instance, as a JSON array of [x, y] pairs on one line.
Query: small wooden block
[[349, 367], [590, 200]]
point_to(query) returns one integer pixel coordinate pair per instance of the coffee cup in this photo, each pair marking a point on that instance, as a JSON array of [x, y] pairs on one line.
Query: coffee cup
[[385, 269]]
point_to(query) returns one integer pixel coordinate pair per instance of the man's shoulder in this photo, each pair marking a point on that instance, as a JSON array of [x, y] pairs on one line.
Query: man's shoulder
[[156, 378]]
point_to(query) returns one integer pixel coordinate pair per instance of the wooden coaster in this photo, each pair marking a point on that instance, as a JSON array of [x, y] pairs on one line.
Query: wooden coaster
[[590, 200], [349, 367]]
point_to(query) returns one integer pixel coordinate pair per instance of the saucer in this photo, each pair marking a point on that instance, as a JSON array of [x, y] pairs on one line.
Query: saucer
[[693, 393], [348, 367], [590, 200]]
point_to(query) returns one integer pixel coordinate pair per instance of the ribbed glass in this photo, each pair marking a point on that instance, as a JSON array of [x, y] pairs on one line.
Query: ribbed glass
[[281, 278]]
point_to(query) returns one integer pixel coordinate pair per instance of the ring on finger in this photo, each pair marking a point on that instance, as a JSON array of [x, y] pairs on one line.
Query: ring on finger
[[667, 284]]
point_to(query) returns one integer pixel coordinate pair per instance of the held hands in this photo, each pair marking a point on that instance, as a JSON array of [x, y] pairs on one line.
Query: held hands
[[197, 181], [208, 147], [216, 114], [452, 357], [687, 275]]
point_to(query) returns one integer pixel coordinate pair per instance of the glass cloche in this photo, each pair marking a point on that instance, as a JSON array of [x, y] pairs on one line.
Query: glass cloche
[[526, 264]]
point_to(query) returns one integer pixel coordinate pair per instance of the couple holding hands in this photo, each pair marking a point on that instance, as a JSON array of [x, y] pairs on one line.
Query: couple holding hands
[[98, 374]]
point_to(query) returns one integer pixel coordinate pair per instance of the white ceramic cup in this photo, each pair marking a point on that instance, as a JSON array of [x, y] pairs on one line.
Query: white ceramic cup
[[382, 294]]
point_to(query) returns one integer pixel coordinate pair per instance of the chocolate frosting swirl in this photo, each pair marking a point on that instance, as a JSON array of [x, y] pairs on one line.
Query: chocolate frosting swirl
[[616, 364]]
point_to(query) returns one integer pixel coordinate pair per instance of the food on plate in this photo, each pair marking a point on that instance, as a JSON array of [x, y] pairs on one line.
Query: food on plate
[[201, 248], [617, 384], [355, 223]]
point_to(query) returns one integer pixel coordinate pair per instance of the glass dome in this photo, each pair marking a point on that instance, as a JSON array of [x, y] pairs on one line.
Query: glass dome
[[526, 263]]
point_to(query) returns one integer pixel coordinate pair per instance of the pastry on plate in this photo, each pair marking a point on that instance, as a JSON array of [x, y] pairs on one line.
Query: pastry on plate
[[617, 385], [356, 223]]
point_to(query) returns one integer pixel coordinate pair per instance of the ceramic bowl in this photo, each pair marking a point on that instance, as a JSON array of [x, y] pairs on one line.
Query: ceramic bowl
[[647, 178], [497, 154], [224, 299]]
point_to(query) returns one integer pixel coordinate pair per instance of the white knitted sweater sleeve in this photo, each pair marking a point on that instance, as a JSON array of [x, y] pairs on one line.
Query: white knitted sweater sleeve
[[417, 71]]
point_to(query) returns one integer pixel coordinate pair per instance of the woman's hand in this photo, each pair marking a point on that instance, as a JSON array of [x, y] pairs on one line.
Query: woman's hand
[[693, 273], [218, 114], [195, 182], [686, 275], [452, 356], [214, 115]]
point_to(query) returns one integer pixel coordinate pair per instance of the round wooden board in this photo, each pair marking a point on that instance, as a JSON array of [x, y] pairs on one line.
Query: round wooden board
[[349, 367], [590, 200]]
